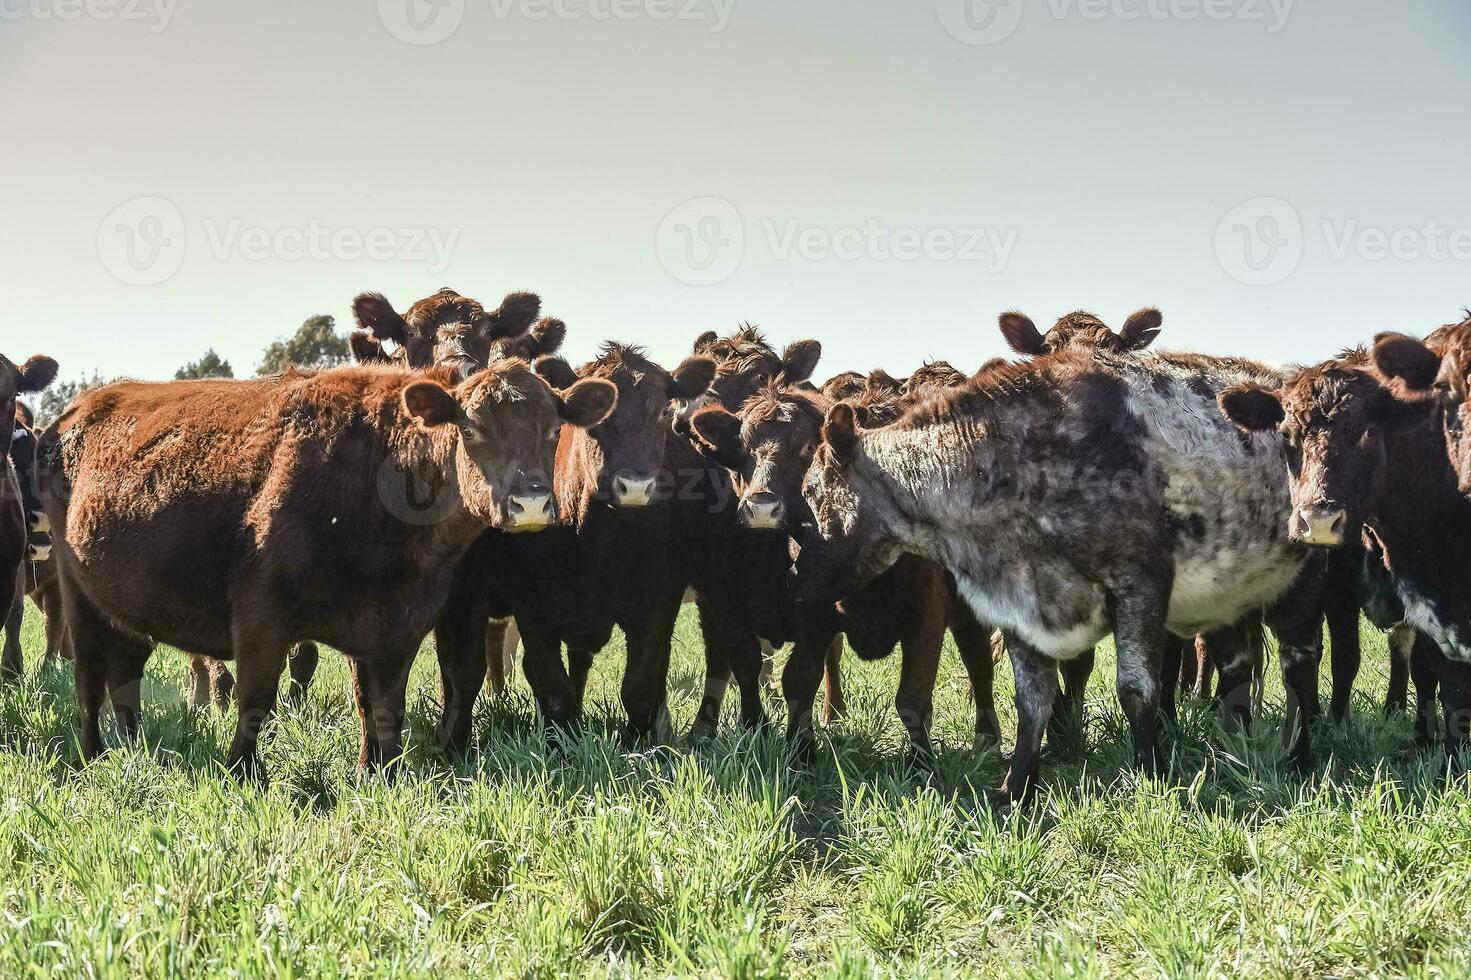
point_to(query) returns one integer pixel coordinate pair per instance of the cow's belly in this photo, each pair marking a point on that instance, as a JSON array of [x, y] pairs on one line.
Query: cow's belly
[[1058, 623], [1219, 588]]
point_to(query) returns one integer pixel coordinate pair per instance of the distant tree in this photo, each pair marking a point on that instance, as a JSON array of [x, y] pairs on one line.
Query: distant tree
[[54, 400], [208, 366], [315, 345]]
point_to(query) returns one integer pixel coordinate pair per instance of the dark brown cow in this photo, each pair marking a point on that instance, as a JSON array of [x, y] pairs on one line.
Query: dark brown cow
[[235, 518], [767, 446], [452, 330], [19, 517], [607, 565], [1080, 331], [1077, 495], [1360, 459]]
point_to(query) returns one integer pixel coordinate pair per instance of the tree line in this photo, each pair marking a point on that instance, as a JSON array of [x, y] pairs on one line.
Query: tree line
[[316, 344]]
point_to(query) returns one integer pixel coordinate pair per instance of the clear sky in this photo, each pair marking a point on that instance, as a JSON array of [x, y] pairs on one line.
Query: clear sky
[[1281, 179]]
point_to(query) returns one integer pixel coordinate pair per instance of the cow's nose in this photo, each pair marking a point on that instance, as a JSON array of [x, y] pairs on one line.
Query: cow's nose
[[1321, 526], [530, 512], [762, 510], [633, 491], [40, 552], [40, 523]]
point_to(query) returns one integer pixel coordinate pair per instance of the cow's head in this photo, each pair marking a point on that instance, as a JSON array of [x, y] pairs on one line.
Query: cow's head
[[767, 447], [508, 420], [447, 329], [621, 459], [1437, 370], [852, 511], [1080, 331], [1333, 419], [746, 363], [23, 456], [932, 375], [15, 380]]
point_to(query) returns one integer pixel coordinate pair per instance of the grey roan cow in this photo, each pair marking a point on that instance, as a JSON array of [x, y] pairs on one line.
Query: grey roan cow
[[1076, 495]]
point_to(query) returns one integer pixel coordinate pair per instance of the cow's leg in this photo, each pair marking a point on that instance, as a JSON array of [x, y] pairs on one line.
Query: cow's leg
[[1036, 694], [645, 690], [1171, 657], [1140, 640], [547, 676], [803, 673], [48, 597], [1455, 700], [1189, 665], [973, 641], [1424, 661], [1341, 611], [501, 638], [303, 667], [1068, 713], [260, 657], [379, 686], [1401, 640], [221, 683], [579, 665], [12, 661], [460, 648], [125, 668], [198, 682], [1231, 651], [1205, 673], [1300, 650], [717, 672], [834, 701], [920, 644]]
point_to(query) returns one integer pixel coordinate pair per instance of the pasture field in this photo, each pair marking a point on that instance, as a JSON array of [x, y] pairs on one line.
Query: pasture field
[[720, 859]]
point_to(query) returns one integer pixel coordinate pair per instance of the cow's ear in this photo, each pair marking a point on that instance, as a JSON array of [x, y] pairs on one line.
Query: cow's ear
[[704, 342], [366, 349], [840, 432], [556, 372], [692, 377], [1141, 328], [1022, 334], [716, 434], [376, 315], [518, 311], [547, 336], [1251, 408], [799, 360], [37, 373], [431, 404], [588, 402], [1406, 360]]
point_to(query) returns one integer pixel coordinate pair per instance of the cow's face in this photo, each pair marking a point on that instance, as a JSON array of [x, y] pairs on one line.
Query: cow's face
[[621, 460], [1333, 419], [849, 543], [509, 421], [1420, 373], [745, 364], [23, 456], [446, 329], [767, 447], [15, 380]]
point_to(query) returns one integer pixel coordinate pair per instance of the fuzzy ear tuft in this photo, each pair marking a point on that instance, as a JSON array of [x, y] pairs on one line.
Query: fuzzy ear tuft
[[692, 377], [547, 336], [840, 432], [375, 314], [1022, 334], [1251, 408], [518, 311], [1397, 356], [589, 402], [1141, 328], [704, 341], [556, 372], [799, 360], [431, 404], [37, 373]]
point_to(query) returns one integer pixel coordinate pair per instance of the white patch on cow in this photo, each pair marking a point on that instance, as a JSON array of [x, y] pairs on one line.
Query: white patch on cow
[[1422, 614], [1007, 603]]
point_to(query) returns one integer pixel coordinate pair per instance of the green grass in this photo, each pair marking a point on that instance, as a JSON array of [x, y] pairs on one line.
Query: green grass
[[722, 859]]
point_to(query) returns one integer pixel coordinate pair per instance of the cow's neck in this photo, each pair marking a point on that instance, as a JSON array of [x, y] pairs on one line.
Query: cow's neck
[[927, 475], [441, 543], [1421, 513]]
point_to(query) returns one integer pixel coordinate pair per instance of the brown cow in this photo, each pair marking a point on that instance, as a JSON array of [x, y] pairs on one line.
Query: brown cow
[[234, 518], [452, 330], [1080, 331], [1077, 495], [1361, 459], [18, 519]]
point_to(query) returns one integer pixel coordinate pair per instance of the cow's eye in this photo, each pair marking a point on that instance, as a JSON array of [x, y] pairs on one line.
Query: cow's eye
[[470, 433], [554, 432]]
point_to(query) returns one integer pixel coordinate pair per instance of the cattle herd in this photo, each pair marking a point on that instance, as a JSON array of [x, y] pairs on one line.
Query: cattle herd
[[462, 479]]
